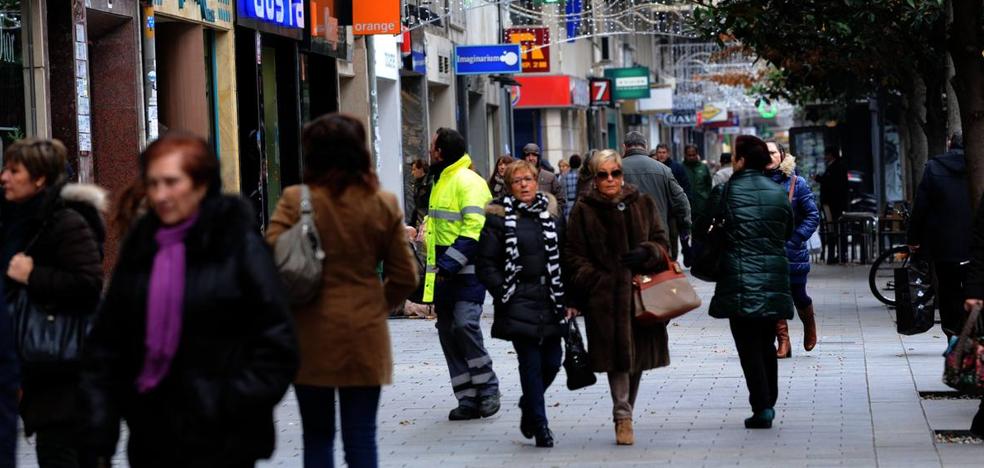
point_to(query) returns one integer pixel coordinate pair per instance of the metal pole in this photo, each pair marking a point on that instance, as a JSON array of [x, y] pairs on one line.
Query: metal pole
[[374, 138]]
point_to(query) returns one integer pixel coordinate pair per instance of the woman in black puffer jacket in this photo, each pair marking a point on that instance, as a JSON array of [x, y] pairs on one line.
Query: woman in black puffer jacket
[[51, 234], [519, 263]]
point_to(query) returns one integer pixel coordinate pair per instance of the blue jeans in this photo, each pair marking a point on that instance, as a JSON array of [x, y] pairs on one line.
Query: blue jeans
[[538, 365], [357, 406]]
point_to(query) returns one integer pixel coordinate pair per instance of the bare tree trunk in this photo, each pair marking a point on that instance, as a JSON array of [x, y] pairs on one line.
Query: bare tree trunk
[[965, 48], [917, 150]]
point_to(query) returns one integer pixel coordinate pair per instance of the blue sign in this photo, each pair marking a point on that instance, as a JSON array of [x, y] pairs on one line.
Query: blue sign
[[487, 59], [286, 13], [419, 62]]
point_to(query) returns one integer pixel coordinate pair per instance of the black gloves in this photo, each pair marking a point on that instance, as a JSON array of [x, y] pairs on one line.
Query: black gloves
[[636, 258]]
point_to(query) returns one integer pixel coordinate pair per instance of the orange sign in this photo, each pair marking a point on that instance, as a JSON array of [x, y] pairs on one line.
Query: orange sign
[[375, 17], [533, 41]]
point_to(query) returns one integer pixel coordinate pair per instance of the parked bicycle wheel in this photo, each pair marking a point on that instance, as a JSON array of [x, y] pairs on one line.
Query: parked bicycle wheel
[[881, 277]]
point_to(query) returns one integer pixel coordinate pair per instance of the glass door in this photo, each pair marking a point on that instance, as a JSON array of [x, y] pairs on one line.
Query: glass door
[[271, 127]]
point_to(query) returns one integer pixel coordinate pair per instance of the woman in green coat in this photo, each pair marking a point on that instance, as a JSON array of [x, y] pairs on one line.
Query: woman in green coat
[[753, 289]]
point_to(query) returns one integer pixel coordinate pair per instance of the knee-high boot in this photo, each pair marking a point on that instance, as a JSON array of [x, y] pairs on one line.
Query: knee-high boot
[[784, 350], [809, 326]]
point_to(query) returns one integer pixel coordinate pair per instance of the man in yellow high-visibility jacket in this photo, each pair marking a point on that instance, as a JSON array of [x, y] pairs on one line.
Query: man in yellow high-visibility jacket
[[455, 218]]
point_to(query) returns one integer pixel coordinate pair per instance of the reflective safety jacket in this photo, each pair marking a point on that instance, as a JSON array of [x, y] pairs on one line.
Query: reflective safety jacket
[[455, 219]]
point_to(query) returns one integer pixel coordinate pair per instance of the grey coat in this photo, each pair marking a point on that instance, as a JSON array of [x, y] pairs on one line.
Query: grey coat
[[653, 178]]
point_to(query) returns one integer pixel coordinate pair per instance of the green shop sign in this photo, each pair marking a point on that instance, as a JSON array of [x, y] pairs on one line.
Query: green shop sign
[[629, 83]]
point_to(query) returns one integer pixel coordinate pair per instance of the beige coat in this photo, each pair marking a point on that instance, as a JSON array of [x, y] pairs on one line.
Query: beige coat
[[344, 337]]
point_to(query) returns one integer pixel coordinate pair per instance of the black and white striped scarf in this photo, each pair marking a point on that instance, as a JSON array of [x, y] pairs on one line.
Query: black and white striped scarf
[[539, 208]]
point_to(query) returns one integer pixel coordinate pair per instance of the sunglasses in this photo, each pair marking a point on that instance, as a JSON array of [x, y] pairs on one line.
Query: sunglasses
[[601, 175]]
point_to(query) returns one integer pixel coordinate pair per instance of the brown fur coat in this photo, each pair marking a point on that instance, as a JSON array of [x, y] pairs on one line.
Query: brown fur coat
[[599, 232]]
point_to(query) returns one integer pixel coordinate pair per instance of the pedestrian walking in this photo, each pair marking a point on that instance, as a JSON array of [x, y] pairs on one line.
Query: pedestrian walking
[[193, 345], [752, 291], [9, 387], [519, 263], [940, 228], [662, 154], [806, 219], [420, 188], [568, 181], [656, 180], [585, 178], [51, 238], [546, 179], [724, 173], [457, 214], [616, 231], [833, 200], [700, 181], [343, 334], [497, 183], [974, 290]]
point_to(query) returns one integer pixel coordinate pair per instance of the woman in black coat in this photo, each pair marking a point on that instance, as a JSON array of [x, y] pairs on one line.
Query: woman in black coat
[[519, 263], [974, 290], [193, 346], [51, 235]]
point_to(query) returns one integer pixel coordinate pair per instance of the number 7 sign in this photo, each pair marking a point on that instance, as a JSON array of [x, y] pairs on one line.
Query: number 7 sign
[[601, 92]]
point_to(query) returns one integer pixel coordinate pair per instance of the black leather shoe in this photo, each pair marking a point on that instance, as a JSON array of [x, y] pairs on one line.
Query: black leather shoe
[[489, 405], [544, 437], [463, 413], [526, 427]]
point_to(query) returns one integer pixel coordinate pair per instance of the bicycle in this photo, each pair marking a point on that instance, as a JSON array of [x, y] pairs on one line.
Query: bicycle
[[881, 277]]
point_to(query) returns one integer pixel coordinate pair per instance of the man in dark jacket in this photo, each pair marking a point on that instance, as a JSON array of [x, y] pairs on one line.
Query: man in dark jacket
[[546, 178], [700, 180], [657, 181], [662, 154], [833, 196], [940, 228], [974, 289]]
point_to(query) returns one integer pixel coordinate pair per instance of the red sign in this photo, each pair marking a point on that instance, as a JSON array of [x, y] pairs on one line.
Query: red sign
[[534, 43], [542, 91], [601, 92]]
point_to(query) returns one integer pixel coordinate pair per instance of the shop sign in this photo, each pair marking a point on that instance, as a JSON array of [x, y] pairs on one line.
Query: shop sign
[[680, 118], [601, 92], [327, 36], [486, 59], [387, 58], [286, 13], [419, 60], [548, 91], [214, 12], [629, 83], [534, 42], [713, 112], [659, 100], [376, 17]]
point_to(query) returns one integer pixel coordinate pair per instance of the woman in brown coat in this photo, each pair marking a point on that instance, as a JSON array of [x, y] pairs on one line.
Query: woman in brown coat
[[343, 334], [615, 231]]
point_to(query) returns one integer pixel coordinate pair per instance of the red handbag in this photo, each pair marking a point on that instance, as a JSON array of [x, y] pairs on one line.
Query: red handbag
[[664, 296]]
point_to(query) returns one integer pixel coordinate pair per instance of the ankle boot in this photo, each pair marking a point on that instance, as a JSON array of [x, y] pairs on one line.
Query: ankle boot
[[761, 420], [784, 350], [623, 432], [809, 327]]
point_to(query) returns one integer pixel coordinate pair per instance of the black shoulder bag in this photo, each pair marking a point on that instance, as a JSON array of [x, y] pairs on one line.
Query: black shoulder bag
[[707, 266], [44, 336]]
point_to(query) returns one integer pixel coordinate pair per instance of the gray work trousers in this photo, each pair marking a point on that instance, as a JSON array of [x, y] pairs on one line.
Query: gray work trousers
[[470, 366]]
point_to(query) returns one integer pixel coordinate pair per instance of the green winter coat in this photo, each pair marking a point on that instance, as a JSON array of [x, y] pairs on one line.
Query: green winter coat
[[754, 279], [700, 187]]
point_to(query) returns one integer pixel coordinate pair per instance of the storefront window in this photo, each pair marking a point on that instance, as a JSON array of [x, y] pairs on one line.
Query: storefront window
[[12, 110]]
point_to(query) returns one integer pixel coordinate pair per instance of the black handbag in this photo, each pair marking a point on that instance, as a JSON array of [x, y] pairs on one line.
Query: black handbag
[[43, 336], [914, 311], [707, 265], [576, 365]]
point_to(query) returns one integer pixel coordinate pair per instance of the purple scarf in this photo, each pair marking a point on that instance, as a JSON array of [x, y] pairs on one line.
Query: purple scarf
[[165, 300]]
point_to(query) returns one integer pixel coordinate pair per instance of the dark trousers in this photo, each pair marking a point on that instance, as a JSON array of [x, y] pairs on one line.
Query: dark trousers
[[539, 362], [58, 446], [977, 426], [950, 277], [755, 340], [459, 329], [357, 407], [800, 298], [8, 425]]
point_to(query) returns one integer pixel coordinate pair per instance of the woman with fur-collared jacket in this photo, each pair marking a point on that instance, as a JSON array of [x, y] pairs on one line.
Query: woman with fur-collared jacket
[[614, 232], [519, 262], [51, 235], [806, 219]]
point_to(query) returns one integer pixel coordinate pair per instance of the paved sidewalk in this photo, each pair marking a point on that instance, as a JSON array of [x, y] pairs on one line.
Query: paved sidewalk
[[853, 401]]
